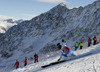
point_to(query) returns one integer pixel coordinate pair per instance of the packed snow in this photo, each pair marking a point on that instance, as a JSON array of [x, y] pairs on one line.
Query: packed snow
[[86, 60]]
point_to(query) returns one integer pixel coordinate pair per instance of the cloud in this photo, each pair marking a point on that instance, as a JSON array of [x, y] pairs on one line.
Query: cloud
[[52, 1], [22, 16], [2, 17]]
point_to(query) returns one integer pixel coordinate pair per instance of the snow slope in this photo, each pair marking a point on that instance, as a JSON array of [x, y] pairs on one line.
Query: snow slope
[[42, 33], [88, 61]]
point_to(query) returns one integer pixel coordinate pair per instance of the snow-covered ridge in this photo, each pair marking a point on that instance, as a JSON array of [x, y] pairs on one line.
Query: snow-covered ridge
[[41, 33], [6, 24]]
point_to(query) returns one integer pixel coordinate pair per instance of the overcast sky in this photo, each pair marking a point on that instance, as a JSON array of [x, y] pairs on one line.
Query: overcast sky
[[27, 9]]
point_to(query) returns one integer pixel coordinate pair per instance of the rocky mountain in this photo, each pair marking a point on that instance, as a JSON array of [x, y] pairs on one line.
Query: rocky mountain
[[41, 33]]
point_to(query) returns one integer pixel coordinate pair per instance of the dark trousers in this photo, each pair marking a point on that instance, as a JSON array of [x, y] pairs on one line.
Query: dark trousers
[[81, 47], [25, 64], [36, 60], [76, 48], [94, 42], [17, 67], [89, 44]]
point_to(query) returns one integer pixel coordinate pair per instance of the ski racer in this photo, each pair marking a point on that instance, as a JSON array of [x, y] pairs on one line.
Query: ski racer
[[66, 52]]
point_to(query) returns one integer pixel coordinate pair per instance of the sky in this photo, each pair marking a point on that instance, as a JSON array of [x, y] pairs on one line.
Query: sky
[[27, 9]]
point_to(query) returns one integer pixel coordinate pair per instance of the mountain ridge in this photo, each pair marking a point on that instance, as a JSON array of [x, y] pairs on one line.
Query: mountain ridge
[[45, 30]]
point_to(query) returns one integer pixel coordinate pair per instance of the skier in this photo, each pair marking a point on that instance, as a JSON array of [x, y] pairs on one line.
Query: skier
[[66, 53], [35, 58], [89, 42], [95, 40], [17, 64], [81, 45], [59, 46], [26, 61], [76, 45]]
